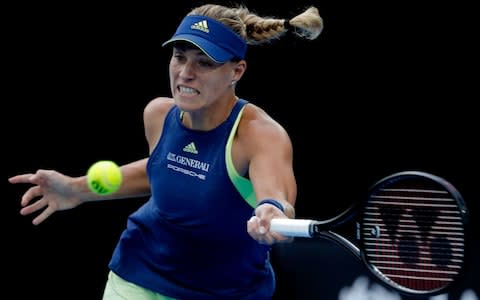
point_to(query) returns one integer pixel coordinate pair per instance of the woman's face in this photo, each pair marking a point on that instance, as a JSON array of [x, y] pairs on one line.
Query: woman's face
[[196, 81]]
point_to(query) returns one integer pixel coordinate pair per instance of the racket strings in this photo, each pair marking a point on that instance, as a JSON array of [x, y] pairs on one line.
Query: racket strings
[[412, 233], [416, 230], [387, 245]]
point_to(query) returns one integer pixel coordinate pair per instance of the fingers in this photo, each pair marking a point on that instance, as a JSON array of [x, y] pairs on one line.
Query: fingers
[[258, 231], [281, 238], [253, 225], [34, 192], [44, 215], [24, 178], [38, 205], [33, 207], [30, 194]]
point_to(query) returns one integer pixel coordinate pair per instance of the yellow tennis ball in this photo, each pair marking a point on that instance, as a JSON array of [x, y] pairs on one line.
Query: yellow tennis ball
[[104, 177]]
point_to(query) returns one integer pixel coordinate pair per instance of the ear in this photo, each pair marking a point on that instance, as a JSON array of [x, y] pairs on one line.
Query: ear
[[239, 69]]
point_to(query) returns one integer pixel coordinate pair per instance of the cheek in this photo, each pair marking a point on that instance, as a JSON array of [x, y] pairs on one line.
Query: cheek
[[214, 88], [219, 82], [173, 74], [171, 70]]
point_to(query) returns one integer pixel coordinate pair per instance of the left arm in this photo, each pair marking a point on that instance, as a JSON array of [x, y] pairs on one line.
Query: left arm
[[270, 155]]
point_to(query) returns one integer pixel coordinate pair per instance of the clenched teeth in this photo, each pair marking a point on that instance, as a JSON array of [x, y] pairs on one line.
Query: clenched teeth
[[187, 90]]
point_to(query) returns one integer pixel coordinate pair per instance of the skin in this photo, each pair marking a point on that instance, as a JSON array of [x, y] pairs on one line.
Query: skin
[[203, 89]]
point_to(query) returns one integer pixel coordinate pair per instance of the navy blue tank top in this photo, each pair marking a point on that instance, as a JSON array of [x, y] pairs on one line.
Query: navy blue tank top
[[190, 240]]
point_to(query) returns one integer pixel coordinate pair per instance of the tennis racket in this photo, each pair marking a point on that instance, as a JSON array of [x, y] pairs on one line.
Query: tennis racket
[[410, 232]]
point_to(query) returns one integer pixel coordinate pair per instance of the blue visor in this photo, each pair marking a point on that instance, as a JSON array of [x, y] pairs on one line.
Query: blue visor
[[214, 38]]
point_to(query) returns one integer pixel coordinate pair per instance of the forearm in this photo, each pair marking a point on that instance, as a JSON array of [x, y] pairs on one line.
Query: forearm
[[134, 184]]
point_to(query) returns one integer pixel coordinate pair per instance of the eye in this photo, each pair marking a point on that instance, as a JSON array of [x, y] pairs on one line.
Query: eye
[[179, 56], [206, 63]]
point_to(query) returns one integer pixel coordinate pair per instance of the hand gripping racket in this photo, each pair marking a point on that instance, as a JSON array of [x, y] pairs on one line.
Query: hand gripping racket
[[409, 232]]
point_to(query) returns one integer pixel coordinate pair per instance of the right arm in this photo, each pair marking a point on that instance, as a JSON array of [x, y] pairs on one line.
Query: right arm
[[54, 191]]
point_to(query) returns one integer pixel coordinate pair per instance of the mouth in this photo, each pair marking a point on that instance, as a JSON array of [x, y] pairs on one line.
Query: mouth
[[187, 91]]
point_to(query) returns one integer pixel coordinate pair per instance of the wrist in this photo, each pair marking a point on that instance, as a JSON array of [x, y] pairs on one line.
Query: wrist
[[273, 202]]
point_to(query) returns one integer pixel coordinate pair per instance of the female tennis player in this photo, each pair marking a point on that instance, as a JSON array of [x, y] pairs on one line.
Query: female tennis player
[[219, 169]]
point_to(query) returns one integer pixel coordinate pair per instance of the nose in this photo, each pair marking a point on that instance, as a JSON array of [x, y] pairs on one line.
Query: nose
[[187, 70]]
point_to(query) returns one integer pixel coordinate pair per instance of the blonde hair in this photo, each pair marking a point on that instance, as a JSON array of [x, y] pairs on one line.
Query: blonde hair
[[256, 30]]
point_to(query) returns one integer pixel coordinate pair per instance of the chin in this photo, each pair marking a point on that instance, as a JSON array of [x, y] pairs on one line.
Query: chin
[[187, 104]]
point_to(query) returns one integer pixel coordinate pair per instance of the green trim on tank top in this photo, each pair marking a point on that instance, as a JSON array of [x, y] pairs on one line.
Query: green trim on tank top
[[243, 185]]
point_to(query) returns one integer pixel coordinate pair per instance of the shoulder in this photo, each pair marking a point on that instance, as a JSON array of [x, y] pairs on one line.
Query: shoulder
[[153, 118], [156, 106], [256, 119], [259, 127]]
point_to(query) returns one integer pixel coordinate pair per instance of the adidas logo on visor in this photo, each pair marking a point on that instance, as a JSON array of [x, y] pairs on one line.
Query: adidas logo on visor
[[202, 25]]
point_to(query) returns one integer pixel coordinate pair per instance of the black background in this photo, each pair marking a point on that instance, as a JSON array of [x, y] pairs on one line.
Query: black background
[[387, 87]]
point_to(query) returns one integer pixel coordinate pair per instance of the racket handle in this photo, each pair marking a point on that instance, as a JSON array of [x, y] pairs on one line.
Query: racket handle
[[293, 227]]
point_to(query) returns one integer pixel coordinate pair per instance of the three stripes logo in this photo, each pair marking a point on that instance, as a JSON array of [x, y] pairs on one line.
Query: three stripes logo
[[202, 25], [190, 148]]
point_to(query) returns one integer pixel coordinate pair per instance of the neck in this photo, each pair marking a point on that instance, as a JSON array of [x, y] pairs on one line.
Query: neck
[[209, 117]]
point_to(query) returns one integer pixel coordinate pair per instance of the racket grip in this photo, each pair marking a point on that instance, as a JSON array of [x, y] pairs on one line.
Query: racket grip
[[293, 227]]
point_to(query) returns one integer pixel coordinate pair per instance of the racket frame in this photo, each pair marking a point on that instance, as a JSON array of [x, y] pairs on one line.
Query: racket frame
[[326, 229]]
